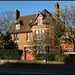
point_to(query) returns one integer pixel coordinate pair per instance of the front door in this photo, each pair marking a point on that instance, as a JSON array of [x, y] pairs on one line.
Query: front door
[[28, 55]]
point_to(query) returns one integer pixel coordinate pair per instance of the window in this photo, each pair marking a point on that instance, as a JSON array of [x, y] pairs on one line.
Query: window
[[48, 49], [27, 36], [39, 21], [42, 34], [39, 34], [17, 26], [39, 49], [48, 32], [16, 37]]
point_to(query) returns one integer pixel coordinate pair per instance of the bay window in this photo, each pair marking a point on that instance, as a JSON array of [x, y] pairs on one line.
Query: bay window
[[39, 34], [39, 49]]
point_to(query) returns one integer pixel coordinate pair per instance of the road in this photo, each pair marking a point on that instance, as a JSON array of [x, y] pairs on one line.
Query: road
[[36, 69]]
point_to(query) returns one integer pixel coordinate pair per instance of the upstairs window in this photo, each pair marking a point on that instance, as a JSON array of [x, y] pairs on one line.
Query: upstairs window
[[17, 26], [39, 21], [39, 34], [27, 36], [16, 37]]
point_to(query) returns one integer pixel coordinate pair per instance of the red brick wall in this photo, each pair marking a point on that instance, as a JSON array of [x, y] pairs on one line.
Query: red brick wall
[[23, 37]]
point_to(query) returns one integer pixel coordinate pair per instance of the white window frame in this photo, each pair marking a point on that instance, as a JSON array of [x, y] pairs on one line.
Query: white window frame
[[17, 26], [39, 20], [39, 34], [16, 37], [40, 49], [42, 34], [27, 36]]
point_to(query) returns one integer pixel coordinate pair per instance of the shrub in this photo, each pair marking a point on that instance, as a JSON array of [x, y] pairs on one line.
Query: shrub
[[47, 57], [61, 57], [51, 57], [12, 54]]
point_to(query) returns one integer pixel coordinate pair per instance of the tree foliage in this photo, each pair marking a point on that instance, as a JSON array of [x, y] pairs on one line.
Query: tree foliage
[[6, 19], [67, 15], [1, 40]]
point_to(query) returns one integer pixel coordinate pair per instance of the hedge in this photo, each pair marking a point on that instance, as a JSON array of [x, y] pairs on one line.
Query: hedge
[[51, 57], [12, 54]]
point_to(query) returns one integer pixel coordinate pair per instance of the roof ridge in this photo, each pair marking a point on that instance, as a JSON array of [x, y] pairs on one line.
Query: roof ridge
[[27, 15], [47, 11]]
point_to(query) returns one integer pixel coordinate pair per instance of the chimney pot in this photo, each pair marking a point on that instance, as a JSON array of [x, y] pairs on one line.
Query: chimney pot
[[56, 10], [17, 14]]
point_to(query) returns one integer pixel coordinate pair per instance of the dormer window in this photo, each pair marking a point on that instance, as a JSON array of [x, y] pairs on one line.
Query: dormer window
[[39, 21], [17, 26]]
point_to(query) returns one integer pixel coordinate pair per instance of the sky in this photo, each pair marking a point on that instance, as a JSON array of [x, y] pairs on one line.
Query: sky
[[30, 7]]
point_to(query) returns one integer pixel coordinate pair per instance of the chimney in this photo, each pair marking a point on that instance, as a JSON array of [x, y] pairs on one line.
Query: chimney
[[17, 14], [56, 10]]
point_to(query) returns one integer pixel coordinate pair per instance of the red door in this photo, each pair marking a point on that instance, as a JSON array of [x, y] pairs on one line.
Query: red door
[[28, 55]]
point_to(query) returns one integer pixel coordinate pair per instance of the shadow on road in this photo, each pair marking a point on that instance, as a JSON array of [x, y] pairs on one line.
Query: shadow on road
[[38, 66]]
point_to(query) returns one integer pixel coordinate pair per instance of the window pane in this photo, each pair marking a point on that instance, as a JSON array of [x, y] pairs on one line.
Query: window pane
[[17, 37], [42, 34], [40, 51], [37, 51], [48, 49], [36, 47], [39, 21], [17, 26], [36, 34], [27, 36], [48, 32]]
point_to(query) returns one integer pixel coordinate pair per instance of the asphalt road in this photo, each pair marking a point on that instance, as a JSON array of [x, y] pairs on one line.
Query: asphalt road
[[36, 69]]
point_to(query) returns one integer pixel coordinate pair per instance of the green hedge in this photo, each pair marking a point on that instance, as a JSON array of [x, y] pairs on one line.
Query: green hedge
[[12, 54], [51, 57]]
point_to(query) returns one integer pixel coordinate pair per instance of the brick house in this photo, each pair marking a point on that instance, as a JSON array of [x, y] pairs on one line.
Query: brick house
[[29, 31]]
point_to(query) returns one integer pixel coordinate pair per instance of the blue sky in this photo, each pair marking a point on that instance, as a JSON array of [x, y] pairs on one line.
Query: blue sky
[[30, 7]]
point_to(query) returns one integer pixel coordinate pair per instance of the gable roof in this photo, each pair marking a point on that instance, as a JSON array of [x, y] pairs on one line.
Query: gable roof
[[46, 13], [39, 13], [25, 24]]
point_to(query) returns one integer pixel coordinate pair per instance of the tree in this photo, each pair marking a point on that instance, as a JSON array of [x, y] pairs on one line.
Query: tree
[[6, 19], [67, 15], [1, 40]]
